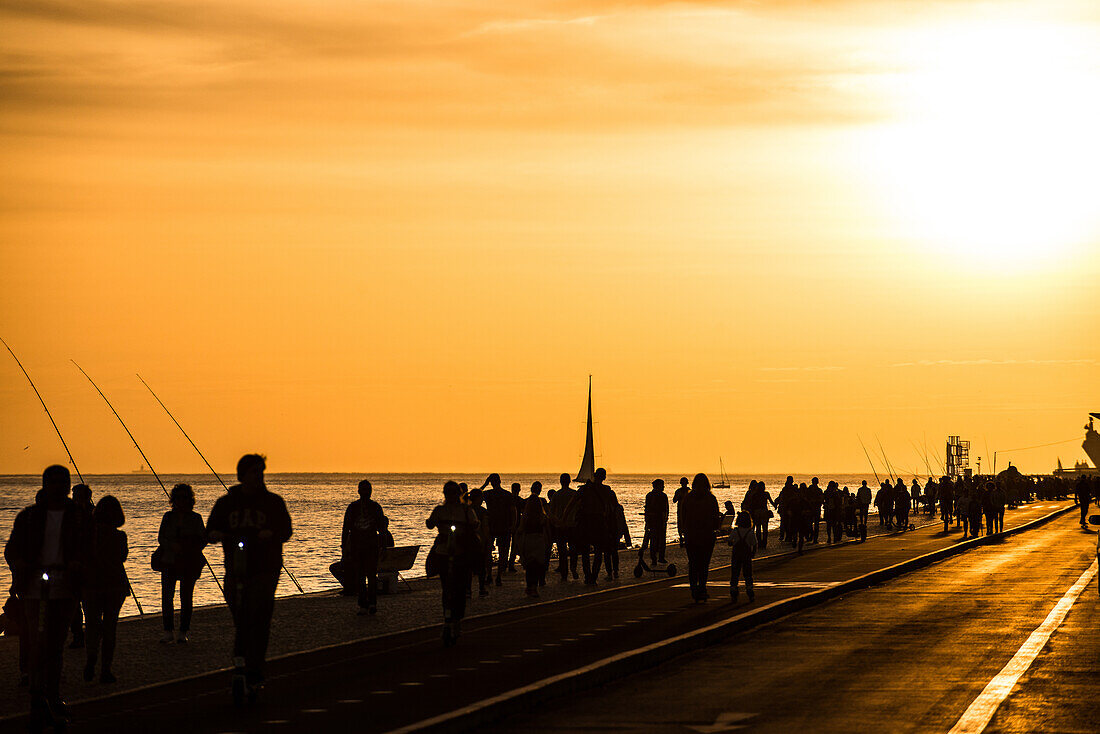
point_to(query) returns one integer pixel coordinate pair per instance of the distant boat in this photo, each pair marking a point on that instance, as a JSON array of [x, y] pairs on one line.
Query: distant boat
[[724, 482], [141, 470], [1091, 445], [587, 471]]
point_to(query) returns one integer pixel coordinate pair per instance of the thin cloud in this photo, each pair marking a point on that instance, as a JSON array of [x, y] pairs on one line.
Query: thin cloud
[[969, 362], [823, 368]]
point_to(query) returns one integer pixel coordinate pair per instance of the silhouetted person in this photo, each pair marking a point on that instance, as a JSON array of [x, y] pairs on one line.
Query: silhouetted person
[[701, 522], [82, 496], [182, 536], [105, 586], [815, 499], [914, 495], [756, 503], [901, 506], [834, 513], [947, 502], [678, 495], [594, 517], [502, 520], [999, 500], [533, 540], [483, 563], [977, 500], [782, 506], [742, 542], [1082, 495], [728, 509], [863, 502], [656, 521], [619, 530], [44, 554], [452, 554], [563, 520], [519, 502], [361, 546], [799, 513], [252, 524]]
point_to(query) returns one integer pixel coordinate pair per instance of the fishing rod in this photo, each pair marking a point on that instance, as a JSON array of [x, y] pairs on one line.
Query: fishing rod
[[943, 469], [141, 612], [146, 458], [208, 466], [882, 451], [922, 456], [865, 453]]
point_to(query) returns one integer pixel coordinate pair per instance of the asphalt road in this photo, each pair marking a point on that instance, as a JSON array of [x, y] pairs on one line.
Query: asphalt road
[[389, 682], [910, 655]]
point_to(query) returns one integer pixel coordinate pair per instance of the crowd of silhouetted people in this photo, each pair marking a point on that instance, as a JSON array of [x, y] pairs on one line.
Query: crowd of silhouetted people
[[67, 554]]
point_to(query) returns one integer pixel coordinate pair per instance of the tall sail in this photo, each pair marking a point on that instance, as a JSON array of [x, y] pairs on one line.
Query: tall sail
[[588, 463]]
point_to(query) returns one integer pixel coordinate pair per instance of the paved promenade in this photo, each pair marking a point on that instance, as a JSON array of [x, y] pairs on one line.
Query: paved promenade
[[385, 681]]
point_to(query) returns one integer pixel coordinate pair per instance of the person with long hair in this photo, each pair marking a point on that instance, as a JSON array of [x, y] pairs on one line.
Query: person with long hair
[[105, 587], [533, 540], [452, 556], [181, 538], [701, 522]]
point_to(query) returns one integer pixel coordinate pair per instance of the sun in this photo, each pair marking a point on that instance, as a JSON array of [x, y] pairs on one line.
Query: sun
[[994, 155]]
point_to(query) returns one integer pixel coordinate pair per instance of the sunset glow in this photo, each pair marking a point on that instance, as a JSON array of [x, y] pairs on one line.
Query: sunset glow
[[401, 235]]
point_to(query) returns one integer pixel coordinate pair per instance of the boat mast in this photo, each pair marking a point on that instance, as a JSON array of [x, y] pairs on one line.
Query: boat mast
[[587, 471]]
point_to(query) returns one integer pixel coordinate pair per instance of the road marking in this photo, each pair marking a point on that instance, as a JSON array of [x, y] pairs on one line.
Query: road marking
[[774, 584], [379, 693], [725, 722], [532, 649], [488, 662], [412, 683], [977, 717], [350, 700], [440, 675], [314, 711]]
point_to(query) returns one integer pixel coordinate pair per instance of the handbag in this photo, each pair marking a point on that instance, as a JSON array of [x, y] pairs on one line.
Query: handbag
[[157, 561]]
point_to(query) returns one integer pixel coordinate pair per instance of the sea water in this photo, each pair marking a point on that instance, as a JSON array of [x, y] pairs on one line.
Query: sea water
[[317, 503]]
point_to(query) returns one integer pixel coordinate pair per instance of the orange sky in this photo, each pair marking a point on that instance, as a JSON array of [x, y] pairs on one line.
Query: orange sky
[[373, 236]]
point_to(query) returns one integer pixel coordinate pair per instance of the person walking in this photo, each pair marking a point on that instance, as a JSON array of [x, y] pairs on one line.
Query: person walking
[[563, 521], [678, 495], [483, 562], [1082, 495], [594, 517], [782, 506], [656, 521], [742, 542], [901, 506], [863, 502], [252, 524], [756, 503], [701, 522], [105, 587], [44, 555], [999, 500], [361, 546], [816, 500], [502, 520], [834, 513], [181, 538], [451, 556], [533, 541], [82, 496], [947, 502], [618, 530]]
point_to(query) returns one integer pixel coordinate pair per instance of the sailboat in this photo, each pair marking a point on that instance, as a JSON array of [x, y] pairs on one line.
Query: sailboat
[[587, 471], [724, 482]]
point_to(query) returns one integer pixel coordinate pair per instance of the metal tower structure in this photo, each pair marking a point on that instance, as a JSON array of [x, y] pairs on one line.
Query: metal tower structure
[[958, 457]]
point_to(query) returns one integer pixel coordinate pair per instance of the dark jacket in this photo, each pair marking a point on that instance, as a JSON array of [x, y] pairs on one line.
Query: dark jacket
[[105, 572], [656, 508], [363, 523], [24, 548], [701, 516], [241, 518], [182, 536]]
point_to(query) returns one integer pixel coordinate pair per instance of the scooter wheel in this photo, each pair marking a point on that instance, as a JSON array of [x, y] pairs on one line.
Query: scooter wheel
[[638, 571], [671, 569]]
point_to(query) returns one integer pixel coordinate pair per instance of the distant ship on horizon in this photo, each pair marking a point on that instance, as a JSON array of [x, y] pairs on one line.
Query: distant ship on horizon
[[141, 470]]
